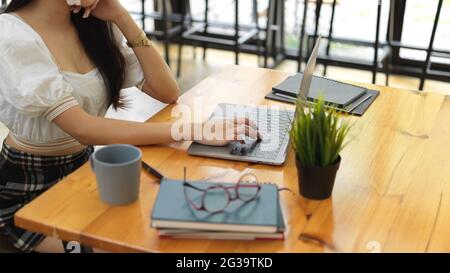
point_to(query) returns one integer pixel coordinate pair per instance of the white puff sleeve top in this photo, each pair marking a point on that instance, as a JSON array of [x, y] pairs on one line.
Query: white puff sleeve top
[[34, 91]]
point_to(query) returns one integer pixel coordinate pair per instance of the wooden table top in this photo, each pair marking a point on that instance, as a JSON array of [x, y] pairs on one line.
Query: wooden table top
[[392, 193]]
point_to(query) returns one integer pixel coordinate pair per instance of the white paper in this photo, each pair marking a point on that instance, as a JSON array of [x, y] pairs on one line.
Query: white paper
[[140, 107]]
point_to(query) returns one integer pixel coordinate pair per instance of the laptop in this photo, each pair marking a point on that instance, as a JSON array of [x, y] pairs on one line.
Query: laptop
[[274, 125]]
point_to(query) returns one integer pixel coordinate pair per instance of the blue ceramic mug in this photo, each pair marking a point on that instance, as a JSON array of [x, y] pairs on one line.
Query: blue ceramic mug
[[118, 171]]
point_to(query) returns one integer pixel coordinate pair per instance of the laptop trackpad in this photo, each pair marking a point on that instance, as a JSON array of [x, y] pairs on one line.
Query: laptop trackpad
[[243, 149]]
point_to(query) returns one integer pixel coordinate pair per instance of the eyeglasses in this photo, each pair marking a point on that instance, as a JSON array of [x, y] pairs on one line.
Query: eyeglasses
[[245, 191], [216, 198]]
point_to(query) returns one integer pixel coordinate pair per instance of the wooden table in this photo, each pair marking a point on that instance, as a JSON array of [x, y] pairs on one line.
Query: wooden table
[[392, 192]]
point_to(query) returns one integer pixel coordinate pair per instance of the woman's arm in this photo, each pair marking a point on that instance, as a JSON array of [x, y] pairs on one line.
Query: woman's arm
[[159, 80], [92, 130]]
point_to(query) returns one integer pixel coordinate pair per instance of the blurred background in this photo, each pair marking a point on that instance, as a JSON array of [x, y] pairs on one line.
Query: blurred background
[[407, 41], [412, 37]]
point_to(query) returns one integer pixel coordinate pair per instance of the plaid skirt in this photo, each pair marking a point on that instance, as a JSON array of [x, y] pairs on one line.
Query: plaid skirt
[[23, 177]]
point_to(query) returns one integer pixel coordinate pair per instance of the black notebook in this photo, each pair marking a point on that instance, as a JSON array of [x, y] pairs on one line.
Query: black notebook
[[333, 92], [348, 98]]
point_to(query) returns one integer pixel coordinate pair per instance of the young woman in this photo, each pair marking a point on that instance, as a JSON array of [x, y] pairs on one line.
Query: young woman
[[62, 64]]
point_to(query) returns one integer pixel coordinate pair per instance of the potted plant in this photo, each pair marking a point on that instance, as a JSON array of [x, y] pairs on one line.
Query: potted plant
[[317, 137]]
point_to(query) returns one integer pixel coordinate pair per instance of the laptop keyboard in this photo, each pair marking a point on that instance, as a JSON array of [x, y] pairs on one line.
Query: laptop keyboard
[[274, 126]]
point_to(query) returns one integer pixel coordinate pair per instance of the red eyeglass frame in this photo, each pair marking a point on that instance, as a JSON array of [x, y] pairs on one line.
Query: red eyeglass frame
[[226, 189]]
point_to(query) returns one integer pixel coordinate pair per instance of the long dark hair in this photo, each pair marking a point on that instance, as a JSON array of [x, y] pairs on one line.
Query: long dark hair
[[100, 45]]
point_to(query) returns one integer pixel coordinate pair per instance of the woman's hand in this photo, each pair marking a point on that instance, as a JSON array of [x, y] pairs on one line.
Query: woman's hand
[[109, 10], [159, 80], [220, 132], [106, 10], [87, 5]]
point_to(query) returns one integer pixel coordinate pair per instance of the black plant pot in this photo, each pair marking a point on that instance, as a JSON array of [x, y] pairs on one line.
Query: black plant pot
[[316, 183]]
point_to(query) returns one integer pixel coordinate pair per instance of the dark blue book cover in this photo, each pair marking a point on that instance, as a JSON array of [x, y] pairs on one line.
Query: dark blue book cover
[[172, 210]]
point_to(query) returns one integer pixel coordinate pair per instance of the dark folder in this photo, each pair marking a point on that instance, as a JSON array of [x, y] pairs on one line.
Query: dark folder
[[333, 92], [348, 98]]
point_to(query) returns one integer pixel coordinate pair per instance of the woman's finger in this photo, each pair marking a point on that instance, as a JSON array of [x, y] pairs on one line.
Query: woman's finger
[[232, 137], [76, 9], [246, 121], [250, 123], [244, 130], [87, 3], [73, 2], [87, 11], [95, 5]]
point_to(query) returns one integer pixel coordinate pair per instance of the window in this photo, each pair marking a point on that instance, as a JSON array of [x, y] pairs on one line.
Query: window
[[352, 20], [418, 24]]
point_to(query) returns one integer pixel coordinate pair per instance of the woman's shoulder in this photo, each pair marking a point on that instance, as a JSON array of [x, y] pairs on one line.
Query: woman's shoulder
[[14, 30]]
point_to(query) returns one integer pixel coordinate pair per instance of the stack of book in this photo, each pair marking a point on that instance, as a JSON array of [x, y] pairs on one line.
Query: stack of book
[[346, 97], [174, 217]]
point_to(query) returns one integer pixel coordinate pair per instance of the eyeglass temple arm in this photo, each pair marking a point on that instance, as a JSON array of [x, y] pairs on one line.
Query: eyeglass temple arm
[[194, 187]]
